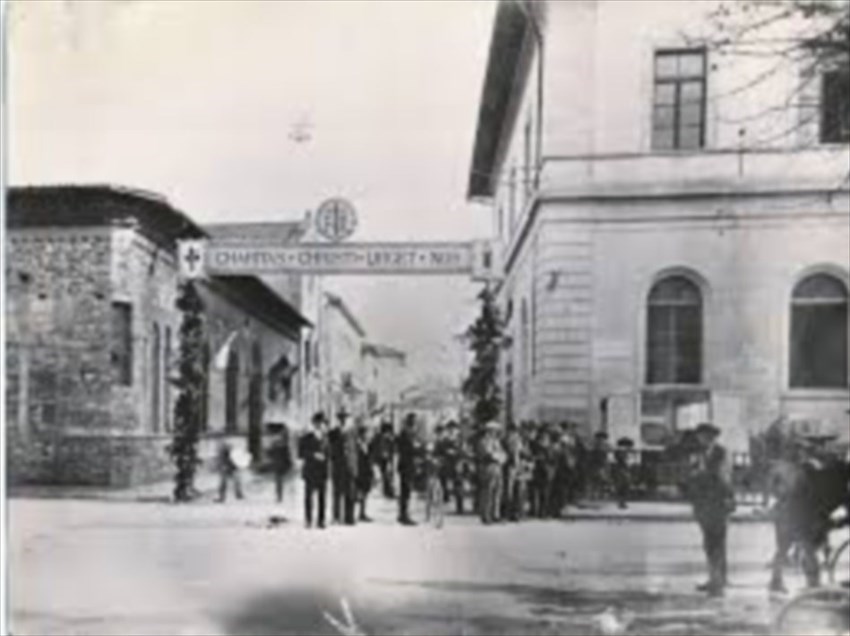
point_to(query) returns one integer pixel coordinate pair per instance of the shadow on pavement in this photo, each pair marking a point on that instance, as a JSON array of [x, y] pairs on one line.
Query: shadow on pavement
[[536, 610]]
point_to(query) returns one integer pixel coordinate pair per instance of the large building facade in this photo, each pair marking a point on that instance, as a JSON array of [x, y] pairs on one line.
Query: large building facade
[[93, 339], [668, 256]]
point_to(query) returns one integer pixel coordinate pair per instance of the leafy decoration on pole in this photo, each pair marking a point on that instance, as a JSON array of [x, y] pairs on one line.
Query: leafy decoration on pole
[[188, 410], [481, 386]]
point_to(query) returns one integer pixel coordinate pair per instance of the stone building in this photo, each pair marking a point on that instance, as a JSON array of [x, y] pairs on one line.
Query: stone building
[[384, 373], [92, 338], [675, 247]]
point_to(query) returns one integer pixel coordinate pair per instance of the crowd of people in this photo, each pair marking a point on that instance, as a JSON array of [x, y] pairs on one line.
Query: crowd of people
[[536, 470], [502, 473]]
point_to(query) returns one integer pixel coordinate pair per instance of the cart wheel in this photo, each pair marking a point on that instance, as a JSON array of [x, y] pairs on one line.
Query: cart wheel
[[838, 568], [817, 612]]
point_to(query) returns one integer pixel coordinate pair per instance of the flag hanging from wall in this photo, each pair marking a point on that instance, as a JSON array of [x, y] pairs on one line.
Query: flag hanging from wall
[[223, 354]]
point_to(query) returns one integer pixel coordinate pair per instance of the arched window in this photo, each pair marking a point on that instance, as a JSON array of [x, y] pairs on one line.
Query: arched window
[[819, 333], [674, 332]]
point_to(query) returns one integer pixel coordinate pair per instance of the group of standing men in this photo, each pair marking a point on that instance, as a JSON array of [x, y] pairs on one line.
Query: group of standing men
[[537, 469], [347, 456]]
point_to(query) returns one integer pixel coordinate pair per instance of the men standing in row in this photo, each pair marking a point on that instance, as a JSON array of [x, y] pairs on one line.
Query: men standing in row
[[406, 447], [313, 451]]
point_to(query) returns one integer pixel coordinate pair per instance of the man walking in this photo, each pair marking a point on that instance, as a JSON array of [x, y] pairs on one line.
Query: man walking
[[281, 459], [313, 451], [228, 470], [406, 450], [713, 501]]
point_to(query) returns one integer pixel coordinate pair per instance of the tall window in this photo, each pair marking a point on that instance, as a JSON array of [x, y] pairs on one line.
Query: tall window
[[528, 171], [512, 202], [156, 380], [308, 350], [166, 372], [674, 332], [678, 112], [835, 106], [231, 393], [525, 367], [819, 326], [122, 343]]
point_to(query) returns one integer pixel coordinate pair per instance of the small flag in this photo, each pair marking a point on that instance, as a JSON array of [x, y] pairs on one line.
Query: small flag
[[221, 357]]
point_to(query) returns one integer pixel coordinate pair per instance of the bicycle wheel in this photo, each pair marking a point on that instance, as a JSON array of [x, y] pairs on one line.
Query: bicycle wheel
[[838, 568], [817, 612]]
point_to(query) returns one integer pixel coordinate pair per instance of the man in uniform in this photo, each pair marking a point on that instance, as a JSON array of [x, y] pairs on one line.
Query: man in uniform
[[492, 457], [406, 450], [450, 451], [713, 500], [513, 444], [313, 451]]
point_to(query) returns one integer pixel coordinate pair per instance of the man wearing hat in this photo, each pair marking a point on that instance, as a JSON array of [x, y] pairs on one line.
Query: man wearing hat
[[620, 471], [451, 474], [343, 462], [713, 501], [313, 451], [493, 459], [407, 448]]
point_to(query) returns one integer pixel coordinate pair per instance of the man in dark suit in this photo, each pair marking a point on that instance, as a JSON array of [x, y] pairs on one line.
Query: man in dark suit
[[406, 448], [313, 451], [350, 467], [713, 500], [336, 449]]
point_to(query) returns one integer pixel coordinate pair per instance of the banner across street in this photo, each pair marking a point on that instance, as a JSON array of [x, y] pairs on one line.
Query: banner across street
[[218, 258]]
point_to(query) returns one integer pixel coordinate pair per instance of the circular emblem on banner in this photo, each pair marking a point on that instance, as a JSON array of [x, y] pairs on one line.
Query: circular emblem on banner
[[336, 219]]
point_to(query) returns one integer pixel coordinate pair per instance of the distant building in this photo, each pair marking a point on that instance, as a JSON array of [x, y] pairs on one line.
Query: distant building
[[93, 338], [341, 338], [385, 376], [669, 256]]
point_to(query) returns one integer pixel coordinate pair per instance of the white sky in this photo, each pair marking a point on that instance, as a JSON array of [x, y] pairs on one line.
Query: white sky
[[196, 100]]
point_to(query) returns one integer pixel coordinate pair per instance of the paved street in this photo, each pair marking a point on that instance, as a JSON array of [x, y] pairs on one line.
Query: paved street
[[96, 567]]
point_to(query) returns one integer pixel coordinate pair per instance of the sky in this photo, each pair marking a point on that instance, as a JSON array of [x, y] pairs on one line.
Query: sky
[[198, 100]]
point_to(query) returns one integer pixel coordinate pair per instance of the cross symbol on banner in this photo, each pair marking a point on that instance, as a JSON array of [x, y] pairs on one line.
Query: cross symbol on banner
[[191, 259]]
